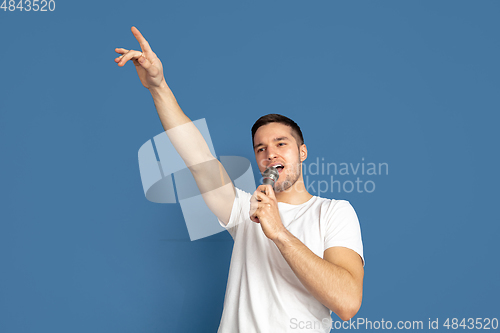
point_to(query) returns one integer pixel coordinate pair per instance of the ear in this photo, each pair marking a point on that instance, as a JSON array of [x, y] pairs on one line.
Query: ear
[[303, 152]]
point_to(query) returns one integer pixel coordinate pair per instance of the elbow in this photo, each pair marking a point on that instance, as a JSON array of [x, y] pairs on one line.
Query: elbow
[[347, 314], [349, 310]]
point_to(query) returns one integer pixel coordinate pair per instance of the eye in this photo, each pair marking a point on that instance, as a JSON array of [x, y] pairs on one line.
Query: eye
[[260, 150], [281, 144]]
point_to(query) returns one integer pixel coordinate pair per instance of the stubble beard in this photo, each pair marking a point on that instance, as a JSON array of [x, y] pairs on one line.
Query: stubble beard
[[290, 180]]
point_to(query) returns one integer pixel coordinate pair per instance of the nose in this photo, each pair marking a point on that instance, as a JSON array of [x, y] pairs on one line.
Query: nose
[[271, 153]]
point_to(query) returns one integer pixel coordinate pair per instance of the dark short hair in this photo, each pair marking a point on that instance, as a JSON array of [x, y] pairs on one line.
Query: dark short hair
[[278, 118]]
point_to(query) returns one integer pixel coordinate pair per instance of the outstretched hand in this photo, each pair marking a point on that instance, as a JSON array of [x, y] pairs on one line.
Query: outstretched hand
[[147, 64]]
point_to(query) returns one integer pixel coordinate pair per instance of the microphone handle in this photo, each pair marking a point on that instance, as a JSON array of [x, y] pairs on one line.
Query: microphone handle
[[268, 181]]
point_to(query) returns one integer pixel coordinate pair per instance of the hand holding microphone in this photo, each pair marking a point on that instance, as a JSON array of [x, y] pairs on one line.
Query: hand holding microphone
[[264, 206]]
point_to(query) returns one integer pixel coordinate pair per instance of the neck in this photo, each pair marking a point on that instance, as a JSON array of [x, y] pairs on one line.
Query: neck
[[295, 195]]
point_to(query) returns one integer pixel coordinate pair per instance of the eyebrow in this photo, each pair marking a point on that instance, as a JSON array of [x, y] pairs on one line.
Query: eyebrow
[[281, 138]]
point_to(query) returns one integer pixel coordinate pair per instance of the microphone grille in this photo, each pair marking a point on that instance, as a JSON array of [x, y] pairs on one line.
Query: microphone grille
[[272, 173]]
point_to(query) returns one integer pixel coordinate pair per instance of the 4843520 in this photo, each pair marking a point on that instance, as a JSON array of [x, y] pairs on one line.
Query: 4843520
[[28, 5]]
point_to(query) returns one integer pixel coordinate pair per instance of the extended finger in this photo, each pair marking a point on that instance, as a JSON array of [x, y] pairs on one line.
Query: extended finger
[[142, 41], [121, 50], [129, 55]]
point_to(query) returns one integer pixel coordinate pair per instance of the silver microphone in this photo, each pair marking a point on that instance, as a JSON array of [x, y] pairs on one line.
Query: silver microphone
[[270, 176]]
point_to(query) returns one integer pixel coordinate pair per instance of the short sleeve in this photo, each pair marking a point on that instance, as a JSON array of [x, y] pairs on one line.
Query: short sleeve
[[241, 205], [342, 227]]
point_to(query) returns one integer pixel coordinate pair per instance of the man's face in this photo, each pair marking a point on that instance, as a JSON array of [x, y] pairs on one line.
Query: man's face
[[274, 145]]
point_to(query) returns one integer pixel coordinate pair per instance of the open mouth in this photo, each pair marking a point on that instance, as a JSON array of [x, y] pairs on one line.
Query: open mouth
[[280, 167]]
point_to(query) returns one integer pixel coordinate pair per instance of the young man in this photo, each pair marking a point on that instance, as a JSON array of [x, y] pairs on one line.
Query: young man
[[296, 256]]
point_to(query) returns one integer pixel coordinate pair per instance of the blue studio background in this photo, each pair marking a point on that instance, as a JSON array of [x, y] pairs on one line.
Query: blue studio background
[[411, 84]]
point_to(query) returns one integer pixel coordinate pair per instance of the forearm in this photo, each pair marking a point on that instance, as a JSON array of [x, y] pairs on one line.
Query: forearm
[[330, 284], [169, 111], [184, 136]]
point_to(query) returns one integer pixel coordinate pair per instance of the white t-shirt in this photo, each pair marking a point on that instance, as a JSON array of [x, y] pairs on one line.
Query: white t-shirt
[[263, 294]]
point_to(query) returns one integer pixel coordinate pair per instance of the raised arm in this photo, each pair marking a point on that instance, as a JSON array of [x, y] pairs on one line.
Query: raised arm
[[209, 174]]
